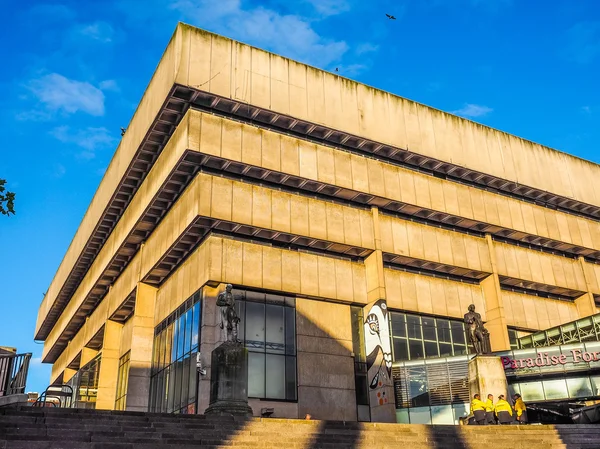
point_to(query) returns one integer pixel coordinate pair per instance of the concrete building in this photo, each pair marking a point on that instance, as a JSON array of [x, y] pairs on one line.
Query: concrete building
[[355, 226]]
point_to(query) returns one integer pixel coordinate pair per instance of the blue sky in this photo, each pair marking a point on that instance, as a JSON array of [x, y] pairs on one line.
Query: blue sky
[[74, 71]]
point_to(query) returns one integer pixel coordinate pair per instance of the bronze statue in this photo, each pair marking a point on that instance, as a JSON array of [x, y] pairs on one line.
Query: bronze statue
[[226, 301], [478, 334]]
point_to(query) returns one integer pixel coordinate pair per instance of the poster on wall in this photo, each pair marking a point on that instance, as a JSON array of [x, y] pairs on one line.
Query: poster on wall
[[379, 353]]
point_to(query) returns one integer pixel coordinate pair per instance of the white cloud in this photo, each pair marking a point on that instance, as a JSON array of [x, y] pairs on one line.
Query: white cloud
[[473, 110], [583, 42], [110, 85], [366, 48], [289, 35], [58, 93], [330, 7], [99, 31], [90, 139]]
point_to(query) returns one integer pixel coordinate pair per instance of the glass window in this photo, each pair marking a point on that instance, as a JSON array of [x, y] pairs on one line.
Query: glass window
[[428, 328], [416, 349], [428, 337], [400, 348], [269, 333], [595, 381], [458, 333], [443, 329], [579, 387], [413, 324], [555, 389], [532, 391], [174, 377], [513, 338], [275, 376], [256, 375], [85, 384], [398, 324], [122, 381]]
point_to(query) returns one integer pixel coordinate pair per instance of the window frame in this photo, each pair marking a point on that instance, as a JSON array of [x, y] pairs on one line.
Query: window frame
[[289, 351]]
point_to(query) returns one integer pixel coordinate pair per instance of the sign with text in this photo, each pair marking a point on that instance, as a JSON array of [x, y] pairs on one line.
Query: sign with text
[[545, 359]]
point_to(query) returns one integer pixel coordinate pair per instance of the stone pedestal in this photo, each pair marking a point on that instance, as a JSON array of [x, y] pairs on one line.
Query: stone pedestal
[[486, 376], [229, 381]]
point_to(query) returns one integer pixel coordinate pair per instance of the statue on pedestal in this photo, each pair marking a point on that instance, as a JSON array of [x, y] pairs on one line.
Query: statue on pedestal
[[478, 334], [229, 365], [226, 302]]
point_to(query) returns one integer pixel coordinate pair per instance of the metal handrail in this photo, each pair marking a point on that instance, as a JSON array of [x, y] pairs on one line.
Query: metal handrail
[[13, 373], [55, 396]]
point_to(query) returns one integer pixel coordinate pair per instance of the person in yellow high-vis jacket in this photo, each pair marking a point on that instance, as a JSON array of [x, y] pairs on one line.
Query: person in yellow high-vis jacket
[[478, 410], [489, 410], [503, 411], [520, 409]]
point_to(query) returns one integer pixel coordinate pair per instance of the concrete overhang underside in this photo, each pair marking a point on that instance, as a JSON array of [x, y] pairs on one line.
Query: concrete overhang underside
[[198, 226], [174, 108]]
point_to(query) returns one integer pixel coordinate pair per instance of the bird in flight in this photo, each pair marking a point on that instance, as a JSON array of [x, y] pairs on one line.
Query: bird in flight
[[123, 131], [336, 69], [390, 17]]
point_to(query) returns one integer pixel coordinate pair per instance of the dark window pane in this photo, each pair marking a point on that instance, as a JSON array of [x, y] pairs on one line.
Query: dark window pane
[[431, 349], [460, 350], [275, 337], [458, 332], [445, 349], [428, 329], [170, 378], [400, 349], [362, 391], [290, 331], [398, 324], [416, 349], [255, 325], [178, 382], [413, 324], [290, 378], [275, 373], [256, 375], [185, 382], [193, 378], [443, 330]]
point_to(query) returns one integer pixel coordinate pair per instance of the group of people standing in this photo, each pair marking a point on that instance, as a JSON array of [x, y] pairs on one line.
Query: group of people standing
[[500, 413]]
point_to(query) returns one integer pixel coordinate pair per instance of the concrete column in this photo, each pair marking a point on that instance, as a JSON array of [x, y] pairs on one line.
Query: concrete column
[[142, 340], [109, 366], [377, 335], [495, 316], [586, 305]]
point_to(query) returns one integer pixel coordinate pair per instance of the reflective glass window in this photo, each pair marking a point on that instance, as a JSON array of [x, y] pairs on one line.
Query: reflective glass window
[[418, 336], [269, 333], [555, 389], [174, 376], [579, 387], [532, 391]]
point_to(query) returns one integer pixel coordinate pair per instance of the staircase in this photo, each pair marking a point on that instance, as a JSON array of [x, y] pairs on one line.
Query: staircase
[[55, 428]]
